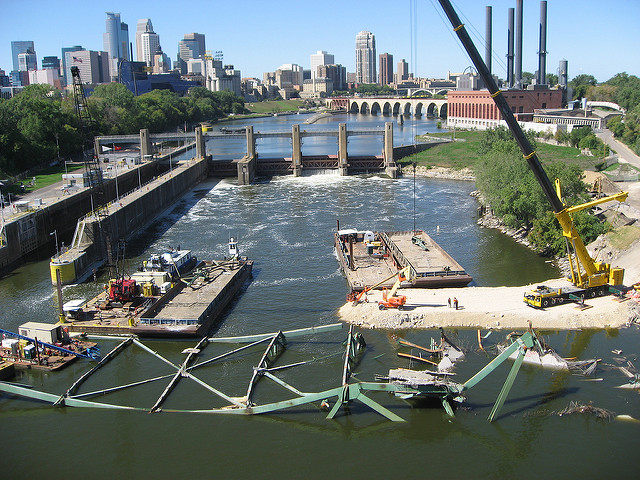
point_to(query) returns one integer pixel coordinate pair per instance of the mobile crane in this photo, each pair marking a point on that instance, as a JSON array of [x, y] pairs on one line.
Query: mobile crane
[[589, 277]]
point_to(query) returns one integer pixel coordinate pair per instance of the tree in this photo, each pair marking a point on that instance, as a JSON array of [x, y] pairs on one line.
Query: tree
[[527, 78], [113, 107], [509, 186], [552, 79], [581, 83]]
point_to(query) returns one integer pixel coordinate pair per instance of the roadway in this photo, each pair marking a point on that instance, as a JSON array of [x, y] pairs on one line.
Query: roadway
[[624, 152]]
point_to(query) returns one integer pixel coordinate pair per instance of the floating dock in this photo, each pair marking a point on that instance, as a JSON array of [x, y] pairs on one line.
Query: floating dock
[[366, 258], [188, 309]]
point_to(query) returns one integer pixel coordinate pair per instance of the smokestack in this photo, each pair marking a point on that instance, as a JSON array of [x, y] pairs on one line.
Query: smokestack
[[510, 50], [542, 53], [487, 52], [518, 83]]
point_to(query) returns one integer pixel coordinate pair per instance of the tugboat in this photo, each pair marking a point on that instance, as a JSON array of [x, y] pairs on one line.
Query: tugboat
[[175, 262]]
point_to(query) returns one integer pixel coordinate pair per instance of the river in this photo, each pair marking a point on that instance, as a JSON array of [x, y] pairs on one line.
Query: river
[[285, 225]]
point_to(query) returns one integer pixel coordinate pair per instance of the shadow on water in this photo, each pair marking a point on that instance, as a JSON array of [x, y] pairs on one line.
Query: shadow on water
[[534, 401]]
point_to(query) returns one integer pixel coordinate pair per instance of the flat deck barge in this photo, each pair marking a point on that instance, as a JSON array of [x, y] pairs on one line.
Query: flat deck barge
[[188, 309], [366, 258]]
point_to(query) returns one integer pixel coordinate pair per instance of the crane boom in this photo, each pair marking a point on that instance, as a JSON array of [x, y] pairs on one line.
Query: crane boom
[[595, 274]]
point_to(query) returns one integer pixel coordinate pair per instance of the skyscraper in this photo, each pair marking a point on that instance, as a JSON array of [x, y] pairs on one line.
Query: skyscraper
[[27, 61], [403, 71], [18, 47], [365, 57], [191, 46], [318, 59], [66, 69], [116, 42], [386, 69], [147, 42]]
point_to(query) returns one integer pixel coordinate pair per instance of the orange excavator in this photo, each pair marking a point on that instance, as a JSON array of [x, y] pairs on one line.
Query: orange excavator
[[389, 300]]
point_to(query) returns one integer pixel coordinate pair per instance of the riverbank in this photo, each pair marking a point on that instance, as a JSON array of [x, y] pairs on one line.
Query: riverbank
[[465, 174]]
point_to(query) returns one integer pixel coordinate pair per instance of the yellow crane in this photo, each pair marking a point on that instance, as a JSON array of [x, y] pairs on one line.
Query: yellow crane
[[589, 277]]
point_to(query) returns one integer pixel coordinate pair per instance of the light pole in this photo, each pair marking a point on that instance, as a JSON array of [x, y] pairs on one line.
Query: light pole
[[117, 195], [55, 233]]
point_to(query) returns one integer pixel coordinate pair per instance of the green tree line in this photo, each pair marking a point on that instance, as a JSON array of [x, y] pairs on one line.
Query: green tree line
[[39, 123], [509, 186]]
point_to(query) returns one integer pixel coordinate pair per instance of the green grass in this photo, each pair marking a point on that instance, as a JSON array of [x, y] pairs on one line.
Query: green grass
[[625, 167], [274, 106], [461, 154], [44, 178]]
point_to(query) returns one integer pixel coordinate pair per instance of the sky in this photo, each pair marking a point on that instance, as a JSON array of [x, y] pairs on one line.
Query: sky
[[597, 37]]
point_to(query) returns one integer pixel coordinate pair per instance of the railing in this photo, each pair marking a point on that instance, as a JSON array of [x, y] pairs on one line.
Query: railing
[[398, 255]]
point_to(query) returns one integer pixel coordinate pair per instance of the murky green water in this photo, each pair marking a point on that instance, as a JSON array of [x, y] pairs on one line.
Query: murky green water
[[286, 226]]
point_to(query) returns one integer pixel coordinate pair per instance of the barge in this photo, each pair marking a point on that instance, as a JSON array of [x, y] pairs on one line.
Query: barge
[[43, 346], [366, 258], [185, 308]]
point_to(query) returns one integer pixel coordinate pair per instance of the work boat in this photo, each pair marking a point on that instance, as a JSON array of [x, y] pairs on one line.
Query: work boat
[[175, 262]]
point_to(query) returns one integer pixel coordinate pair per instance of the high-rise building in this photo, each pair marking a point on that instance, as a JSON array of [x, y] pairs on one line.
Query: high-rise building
[[27, 61], [336, 73], [18, 47], [365, 57], [94, 67], [403, 71], [289, 75], [63, 59], [386, 69], [116, 42], [191, 46], [320, 58], [147, 42], [51, 62]]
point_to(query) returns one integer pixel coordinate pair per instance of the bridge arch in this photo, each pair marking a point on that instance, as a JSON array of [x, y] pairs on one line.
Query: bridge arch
[[421, 93], [364, 108], [417, 109], [375, 108], [354, 108], [386, 109]]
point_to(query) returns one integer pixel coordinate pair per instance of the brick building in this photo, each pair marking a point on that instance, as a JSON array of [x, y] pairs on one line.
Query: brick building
[[476, 108]]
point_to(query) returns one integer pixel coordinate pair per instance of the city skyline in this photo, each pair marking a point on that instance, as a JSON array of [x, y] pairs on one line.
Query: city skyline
[[585, 34]]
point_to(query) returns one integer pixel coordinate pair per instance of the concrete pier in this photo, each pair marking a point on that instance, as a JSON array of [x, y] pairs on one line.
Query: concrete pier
[[125, 217]]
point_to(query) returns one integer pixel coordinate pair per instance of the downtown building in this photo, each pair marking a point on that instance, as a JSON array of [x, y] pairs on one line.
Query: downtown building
[[192, 46], [366, 57], [116, 43], [147, 42], [319, 59], [94, 67], [386, 69]]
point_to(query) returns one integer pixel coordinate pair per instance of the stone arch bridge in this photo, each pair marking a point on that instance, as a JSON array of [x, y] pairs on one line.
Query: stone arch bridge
[[433, 107]]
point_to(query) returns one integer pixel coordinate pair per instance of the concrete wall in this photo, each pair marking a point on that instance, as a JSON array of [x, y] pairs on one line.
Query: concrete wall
[[406, 150], [132, 216], [27, 238]]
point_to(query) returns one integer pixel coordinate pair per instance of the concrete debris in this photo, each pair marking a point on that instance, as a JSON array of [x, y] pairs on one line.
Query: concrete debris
[[574, 408]]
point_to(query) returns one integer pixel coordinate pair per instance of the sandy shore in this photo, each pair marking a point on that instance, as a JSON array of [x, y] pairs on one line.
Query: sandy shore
[[486, 307]]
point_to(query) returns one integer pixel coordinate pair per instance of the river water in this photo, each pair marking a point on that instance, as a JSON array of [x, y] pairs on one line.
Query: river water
[[285, 225]]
